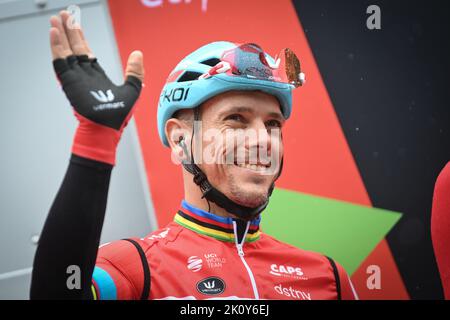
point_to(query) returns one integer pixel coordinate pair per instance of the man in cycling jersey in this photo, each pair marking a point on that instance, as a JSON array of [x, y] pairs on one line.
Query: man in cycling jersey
[[214, 247]]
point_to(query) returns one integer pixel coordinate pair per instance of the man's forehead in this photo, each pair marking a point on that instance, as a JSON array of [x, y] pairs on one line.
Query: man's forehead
[[243, 102]]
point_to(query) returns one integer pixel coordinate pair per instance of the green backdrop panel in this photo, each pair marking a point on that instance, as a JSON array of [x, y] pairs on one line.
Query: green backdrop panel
[[345, 231]]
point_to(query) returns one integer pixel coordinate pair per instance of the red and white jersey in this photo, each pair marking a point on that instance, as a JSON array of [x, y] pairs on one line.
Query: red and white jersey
[[204, 256]]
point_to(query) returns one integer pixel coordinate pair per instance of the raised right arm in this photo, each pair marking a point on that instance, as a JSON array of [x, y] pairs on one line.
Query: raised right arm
[[71, 233]]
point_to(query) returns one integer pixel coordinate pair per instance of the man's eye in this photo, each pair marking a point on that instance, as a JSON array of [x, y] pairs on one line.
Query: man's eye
[[235, 117], [273, 123]]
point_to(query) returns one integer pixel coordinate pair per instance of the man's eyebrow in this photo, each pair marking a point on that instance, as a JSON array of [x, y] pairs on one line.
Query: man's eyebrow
[[243, 109], [236, 109], [277, 116]]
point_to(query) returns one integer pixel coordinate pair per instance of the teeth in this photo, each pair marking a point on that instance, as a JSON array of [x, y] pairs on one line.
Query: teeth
[[254, 167]]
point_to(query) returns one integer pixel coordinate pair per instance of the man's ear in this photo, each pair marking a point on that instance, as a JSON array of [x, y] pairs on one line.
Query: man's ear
[[177, 130]]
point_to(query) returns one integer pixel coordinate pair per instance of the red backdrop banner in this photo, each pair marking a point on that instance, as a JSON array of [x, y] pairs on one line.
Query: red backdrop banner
[[317, 157]]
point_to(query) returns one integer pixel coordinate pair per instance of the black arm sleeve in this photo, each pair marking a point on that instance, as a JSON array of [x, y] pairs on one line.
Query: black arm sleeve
[[71, 233]]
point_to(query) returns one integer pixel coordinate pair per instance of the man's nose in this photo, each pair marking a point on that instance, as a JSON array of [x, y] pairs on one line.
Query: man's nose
[[261, 137]]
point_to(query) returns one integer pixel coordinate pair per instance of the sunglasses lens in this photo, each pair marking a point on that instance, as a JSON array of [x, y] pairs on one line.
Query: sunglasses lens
[[250, 61]]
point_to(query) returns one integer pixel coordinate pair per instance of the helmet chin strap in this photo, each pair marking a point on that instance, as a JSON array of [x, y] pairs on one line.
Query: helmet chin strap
[[212, 194]]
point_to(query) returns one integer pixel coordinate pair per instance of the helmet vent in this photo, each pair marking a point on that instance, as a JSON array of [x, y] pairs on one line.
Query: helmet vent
[[189, 76], [211, 62]]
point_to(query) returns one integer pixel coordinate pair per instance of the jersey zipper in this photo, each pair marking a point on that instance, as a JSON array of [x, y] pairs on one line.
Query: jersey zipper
[[242, 254]]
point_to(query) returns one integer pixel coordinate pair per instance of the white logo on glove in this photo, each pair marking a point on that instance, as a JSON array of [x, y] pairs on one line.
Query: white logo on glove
[[102, 97]]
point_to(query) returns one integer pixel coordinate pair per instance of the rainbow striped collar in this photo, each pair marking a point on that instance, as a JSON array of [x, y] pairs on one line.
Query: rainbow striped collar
[[211, 225]]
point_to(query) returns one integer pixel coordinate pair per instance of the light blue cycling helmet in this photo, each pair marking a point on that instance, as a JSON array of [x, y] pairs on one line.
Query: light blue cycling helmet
[[187, 87]]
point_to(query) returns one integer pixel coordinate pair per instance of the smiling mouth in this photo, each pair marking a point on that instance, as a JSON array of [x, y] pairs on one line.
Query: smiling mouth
[[254, 167]]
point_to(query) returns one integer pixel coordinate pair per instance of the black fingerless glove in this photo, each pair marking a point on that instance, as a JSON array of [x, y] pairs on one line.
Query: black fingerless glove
[[102, 108]]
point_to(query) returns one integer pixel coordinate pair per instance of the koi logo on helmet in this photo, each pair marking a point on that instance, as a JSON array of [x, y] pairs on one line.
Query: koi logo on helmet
[[175, 95], [287, 271]]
